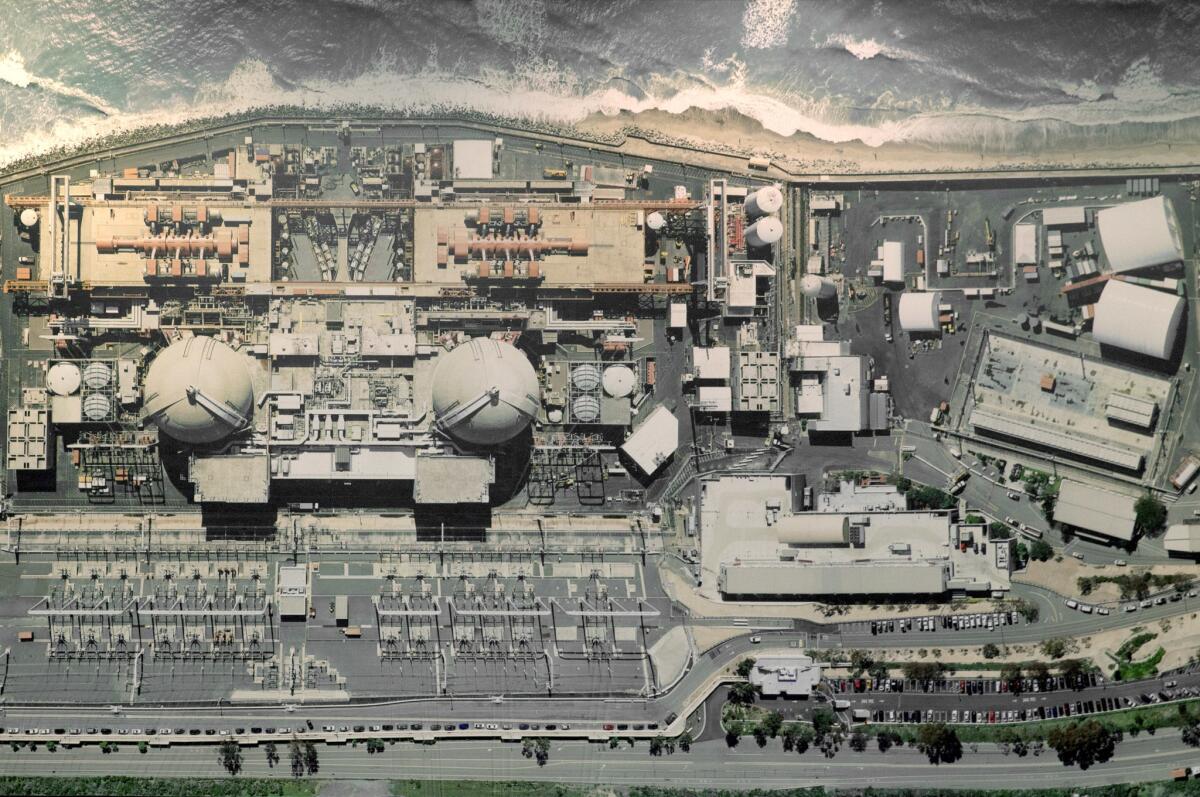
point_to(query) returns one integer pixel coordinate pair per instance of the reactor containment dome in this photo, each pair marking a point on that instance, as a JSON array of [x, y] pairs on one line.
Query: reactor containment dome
[[198, 391], [485, 392]]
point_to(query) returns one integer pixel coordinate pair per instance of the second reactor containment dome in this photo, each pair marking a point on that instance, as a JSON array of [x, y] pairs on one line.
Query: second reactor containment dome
[[485, 392], [198, 391]]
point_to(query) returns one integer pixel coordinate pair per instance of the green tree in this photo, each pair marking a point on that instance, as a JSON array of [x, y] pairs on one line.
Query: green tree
[[1072, 669], [1082, 744], [1054, 647], [1037, 670], [990, 651], [883, 740], [1041, 551], [823, 722], [939, 743], [803, 739], [230, 756], [860, 660], [998, 530], [745, 667], [685, 741], [1029, 611], [858, 741], [760, 736], [923, 670], [311, 763], [772, 723], [742, 693], [1191, 733], [879, 670], [271, 753], [296, 754], [1150, 515], [1012, 674]]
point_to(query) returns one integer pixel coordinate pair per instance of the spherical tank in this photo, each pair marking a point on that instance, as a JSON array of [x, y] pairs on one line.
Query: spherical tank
[[198, 390], [764, 232], [764, 201], [485, 392], [29, 218], [656, 221]]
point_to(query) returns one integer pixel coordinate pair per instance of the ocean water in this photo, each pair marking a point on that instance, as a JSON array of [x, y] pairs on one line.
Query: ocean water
[[1005, 74]]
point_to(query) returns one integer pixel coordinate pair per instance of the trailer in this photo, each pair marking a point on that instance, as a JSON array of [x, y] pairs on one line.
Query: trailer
[[1186, 471]]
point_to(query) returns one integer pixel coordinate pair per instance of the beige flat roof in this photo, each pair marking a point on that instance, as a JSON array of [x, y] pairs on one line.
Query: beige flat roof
[[128, 221], [616, 250]]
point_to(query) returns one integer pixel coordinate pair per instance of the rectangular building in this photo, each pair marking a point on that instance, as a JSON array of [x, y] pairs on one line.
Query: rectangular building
[[1096, 510]]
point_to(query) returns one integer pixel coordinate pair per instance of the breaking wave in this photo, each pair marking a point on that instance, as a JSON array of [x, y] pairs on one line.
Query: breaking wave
[[544, 90], [14, 72]]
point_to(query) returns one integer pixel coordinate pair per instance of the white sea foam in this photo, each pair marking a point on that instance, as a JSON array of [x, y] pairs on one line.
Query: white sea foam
[[14, 72], [541, 89], [765, 23]]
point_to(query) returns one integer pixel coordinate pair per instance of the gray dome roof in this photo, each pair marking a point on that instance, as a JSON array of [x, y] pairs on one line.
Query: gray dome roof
[[485, 392], [198, 391]]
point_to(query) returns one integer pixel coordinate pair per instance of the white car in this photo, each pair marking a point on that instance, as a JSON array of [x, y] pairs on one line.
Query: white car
[[1120, 563], [1077, 555], [1072, 604], [754, 640]]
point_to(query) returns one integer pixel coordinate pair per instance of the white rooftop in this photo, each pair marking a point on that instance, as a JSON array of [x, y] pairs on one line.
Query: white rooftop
[[1141, 234], [1095, 509], [653, 441]]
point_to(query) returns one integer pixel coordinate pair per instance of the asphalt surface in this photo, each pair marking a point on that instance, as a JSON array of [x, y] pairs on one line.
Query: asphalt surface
[[710, 764]]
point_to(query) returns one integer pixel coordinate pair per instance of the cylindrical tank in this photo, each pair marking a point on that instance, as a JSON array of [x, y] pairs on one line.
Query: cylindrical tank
[[764, 232], [764, 202], [817, 287], [656, 221], [29, 218], [63, 379]]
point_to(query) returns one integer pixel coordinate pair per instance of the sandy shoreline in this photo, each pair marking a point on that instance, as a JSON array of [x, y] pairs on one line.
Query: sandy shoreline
[[731, 131]]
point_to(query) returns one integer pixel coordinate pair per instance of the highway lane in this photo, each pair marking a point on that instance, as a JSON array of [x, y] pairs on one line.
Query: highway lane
[[709, 764]]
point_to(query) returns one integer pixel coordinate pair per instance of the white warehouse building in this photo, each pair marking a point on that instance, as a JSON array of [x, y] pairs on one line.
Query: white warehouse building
[[918, 312], [1137, 319], [1141, 234]]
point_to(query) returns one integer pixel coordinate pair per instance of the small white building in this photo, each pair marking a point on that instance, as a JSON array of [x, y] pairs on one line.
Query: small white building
[[893, 261], [1025, 244], [473, 159], [782, 675], [918, 312], [654, 441]]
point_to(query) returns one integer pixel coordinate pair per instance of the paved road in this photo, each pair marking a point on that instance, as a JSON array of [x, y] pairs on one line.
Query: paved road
[[709, 764]]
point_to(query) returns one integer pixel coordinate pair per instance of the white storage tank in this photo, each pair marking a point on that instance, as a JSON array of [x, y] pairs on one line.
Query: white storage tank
[[656, 221], [765, 201], [817, 287], [764, 232]]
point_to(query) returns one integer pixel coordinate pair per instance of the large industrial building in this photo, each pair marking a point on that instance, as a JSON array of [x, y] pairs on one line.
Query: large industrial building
[[1095, 511], [1137, 319], [1140, 235], [758, 546]]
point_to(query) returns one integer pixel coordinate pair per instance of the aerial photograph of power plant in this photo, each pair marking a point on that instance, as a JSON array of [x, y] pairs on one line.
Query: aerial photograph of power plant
[[600, 398]]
